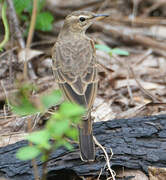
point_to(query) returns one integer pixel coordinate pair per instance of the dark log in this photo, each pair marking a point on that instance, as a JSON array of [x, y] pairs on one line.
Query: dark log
[[137, 143]]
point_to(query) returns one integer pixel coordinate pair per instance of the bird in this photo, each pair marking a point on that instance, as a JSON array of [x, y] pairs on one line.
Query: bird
[[76, 72]]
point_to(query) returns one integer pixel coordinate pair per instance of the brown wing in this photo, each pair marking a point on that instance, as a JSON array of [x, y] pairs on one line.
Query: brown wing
[[75, 71]]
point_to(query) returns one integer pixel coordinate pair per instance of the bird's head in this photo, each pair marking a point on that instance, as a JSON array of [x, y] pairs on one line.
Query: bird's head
[[79, 21]]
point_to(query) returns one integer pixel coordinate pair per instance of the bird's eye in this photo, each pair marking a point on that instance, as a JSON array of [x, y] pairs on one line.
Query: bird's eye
[[82, 19]]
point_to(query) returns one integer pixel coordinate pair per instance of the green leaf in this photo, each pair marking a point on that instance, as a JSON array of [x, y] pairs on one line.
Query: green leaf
[[40, 138], [25, 108], [24, 17], [111, 51], [41, 4], [103, 48], [44, 157], [57, 116], [29, 8], [57, 128], [51, 99], [119, 52], [20, 5], [27, 153], [68, 145], [44, 21], [70, 109], [76, 119], [63, 143], [72, 133]]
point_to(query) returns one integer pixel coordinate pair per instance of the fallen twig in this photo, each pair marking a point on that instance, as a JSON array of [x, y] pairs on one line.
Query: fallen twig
[[113, 174]]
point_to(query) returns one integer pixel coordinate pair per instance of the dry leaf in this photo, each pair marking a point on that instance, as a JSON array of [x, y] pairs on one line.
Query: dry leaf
[[156, 173], [102, 110], [12, 138], [137, 175], [28, 54], [159, 31]]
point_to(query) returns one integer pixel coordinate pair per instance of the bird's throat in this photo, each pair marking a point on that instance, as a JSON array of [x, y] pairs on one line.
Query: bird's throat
[[68, 31]]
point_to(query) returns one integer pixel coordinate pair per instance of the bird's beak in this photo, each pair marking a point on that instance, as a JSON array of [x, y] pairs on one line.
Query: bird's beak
[[100, 16]]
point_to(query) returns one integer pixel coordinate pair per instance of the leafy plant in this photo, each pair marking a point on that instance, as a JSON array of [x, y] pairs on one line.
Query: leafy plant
[[58, 128], [44, 21], [6, 26], [111, 51], [24, 10]]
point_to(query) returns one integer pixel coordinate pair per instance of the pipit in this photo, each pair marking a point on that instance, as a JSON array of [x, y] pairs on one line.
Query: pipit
[[75, 70]]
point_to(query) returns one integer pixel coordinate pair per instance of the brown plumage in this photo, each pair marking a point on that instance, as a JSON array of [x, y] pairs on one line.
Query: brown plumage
[[75, 70]]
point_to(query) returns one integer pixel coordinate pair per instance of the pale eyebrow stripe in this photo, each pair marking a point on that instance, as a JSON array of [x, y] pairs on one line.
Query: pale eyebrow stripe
[[84, 16]]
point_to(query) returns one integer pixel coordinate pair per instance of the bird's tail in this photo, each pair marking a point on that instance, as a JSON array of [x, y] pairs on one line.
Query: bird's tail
[[87, 148]]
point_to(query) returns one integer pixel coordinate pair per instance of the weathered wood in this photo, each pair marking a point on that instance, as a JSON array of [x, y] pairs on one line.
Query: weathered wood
[[136, 143]]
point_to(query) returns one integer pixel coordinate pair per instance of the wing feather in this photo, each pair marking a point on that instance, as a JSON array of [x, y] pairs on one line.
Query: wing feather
[[75, 71]]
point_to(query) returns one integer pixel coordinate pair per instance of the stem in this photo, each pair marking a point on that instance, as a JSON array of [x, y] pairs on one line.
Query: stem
[[44, 170], [36, 174], [25, 73], [32, 24], [35, 169], [6, 26], [30, 35], [44, 167]]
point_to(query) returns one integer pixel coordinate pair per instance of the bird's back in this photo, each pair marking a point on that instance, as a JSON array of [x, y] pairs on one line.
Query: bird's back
[[75, 69], [74, 55]]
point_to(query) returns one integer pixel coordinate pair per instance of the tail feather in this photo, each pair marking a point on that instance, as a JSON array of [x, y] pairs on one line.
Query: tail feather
[[87, 148]]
